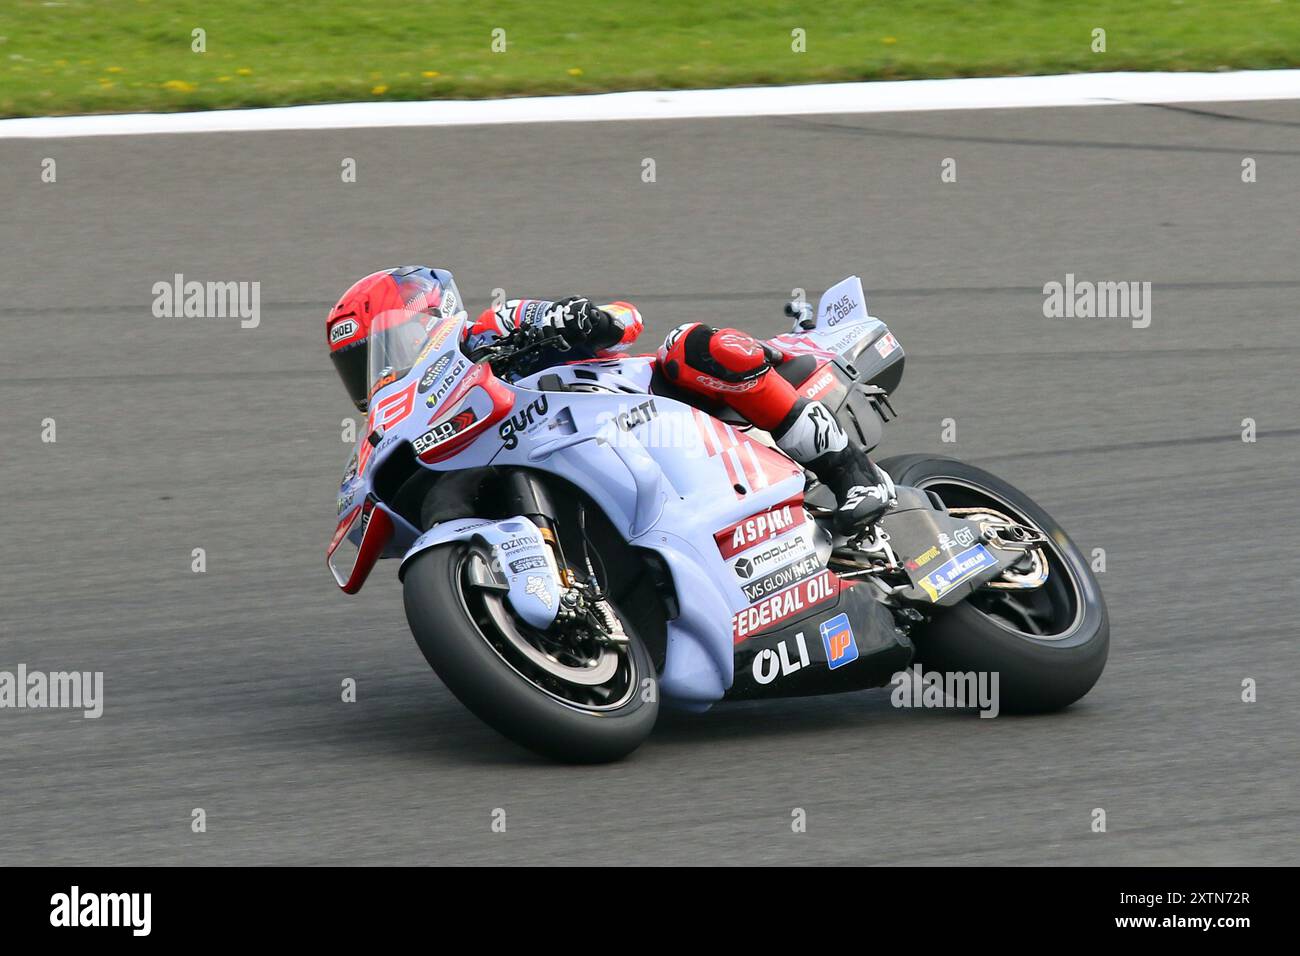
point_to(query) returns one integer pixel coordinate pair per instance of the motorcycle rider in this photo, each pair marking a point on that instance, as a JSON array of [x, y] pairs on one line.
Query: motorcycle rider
[[725, 365]]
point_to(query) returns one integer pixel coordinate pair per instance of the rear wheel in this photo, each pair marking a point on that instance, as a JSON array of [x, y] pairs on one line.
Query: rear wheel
[[567, 697], [1048, 645]]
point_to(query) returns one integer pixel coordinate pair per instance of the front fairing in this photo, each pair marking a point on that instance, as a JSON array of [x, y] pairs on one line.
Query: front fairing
[[392, 402]]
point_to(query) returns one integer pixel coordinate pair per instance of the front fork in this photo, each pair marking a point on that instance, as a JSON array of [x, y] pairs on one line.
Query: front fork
[[523, 493], [582, 602]]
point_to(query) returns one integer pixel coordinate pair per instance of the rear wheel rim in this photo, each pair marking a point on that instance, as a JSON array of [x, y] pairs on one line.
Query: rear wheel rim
[[541, 660], [1052, 612]]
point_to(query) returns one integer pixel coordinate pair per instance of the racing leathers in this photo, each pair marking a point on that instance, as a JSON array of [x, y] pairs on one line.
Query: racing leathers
[[725, 365]]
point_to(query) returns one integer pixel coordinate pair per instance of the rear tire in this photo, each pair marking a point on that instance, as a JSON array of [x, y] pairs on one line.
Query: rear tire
[[463, 656], [1036, 673]]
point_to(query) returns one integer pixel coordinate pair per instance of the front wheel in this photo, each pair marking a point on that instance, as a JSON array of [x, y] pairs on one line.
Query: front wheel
[[575, 702], [1048, 645]]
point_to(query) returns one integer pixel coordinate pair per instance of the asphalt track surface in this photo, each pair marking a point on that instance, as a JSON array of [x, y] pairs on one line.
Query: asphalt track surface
[[223, 688]]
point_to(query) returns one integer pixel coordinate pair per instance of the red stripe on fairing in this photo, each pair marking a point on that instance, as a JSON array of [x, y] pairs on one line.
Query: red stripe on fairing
[[758, 477], [378, 532], [776, 466], [751, 479], [705, 426], [503, 399], [731, 471]]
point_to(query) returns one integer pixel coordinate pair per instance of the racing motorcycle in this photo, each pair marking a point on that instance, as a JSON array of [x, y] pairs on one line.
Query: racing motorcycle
[[581, 543]]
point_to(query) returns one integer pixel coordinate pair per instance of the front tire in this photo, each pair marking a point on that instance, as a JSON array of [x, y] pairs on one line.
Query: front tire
[[1051, 648], [530, 707]]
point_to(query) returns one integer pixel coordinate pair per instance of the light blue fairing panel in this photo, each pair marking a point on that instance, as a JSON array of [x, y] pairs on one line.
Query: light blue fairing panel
[[668, 477], [700, 659], [519, 557]]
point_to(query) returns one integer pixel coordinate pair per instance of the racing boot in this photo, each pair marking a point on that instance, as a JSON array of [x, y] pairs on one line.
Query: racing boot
[[811, 436]]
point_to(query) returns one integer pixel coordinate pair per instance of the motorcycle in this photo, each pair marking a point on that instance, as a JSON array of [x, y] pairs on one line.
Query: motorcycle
[[581, 543]]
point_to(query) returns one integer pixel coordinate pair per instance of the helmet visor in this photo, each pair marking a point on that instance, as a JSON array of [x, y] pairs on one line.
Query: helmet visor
[[399, 338]]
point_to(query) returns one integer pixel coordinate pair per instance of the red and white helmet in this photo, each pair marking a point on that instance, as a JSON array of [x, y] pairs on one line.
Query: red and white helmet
[[407, 293]]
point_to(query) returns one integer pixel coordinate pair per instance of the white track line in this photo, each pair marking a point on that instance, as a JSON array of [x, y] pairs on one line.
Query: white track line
[[1007, 92]]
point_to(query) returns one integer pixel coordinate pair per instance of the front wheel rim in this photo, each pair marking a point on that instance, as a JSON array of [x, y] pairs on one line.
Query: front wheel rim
[[605, 685]]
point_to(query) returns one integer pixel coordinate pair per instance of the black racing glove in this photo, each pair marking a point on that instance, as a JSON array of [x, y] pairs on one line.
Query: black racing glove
[[576, 321]]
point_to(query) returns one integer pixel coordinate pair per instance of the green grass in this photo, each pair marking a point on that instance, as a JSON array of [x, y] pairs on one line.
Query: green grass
[[119, 55]]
